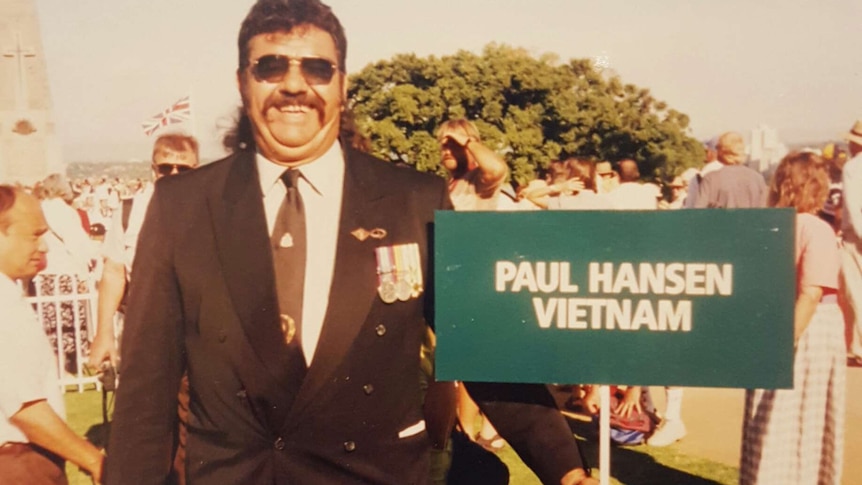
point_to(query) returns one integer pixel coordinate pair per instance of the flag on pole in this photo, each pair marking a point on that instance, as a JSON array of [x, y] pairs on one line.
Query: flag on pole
[[176, 113]]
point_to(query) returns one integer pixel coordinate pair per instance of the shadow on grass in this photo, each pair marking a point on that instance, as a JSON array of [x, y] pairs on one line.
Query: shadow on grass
[[630, 466]]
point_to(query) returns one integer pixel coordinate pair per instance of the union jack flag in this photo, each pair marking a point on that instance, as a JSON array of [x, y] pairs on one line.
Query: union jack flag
[[176, 113]]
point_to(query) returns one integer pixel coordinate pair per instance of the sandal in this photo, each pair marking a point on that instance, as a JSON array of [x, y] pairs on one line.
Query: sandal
[[493, 444]]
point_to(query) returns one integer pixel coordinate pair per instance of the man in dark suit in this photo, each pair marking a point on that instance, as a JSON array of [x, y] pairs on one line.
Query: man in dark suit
[[289, 280]]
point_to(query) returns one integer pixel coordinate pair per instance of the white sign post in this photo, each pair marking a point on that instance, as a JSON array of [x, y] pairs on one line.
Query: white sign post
[[605, 435]]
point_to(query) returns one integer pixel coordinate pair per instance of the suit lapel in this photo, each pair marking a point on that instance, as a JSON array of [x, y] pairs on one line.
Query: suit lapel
[[354, 279], [243, 243]]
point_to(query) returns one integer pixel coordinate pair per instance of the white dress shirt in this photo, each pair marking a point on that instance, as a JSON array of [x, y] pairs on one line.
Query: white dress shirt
[[321, 187], [28, 366]]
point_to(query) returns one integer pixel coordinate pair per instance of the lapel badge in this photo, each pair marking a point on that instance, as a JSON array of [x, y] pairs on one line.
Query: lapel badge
[[362, 234], [286, 241], [399, 273], [288, 328]]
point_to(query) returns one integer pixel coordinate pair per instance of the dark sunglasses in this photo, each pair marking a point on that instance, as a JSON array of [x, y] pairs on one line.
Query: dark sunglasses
[[273, 67], [168, 168]]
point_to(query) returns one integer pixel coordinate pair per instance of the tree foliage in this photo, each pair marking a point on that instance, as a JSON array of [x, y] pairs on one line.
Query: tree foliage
[[531, 110]]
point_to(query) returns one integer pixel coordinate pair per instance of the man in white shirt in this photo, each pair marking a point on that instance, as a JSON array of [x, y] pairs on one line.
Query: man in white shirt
[[734, 186], [34, 438], [632, 194], [173, 153]]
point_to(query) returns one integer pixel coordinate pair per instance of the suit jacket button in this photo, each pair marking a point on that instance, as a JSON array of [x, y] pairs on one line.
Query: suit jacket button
[[368, 388], [349, 446], [279, 444], [381, 330], [222, 338]]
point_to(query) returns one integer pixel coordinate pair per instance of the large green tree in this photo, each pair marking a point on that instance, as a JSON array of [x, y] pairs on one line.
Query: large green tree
[[531, 110]]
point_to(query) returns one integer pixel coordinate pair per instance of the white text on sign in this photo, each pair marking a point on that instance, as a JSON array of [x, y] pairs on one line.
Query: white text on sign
[[608, 279]]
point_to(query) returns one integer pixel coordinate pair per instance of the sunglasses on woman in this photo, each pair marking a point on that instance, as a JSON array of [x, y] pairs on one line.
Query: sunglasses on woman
[[272, 68]]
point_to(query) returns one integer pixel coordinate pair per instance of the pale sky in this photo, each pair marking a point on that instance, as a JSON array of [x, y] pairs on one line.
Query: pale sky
[[795, 65]]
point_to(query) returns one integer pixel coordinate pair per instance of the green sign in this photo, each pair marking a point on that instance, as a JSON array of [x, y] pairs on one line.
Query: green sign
[[684, 298]]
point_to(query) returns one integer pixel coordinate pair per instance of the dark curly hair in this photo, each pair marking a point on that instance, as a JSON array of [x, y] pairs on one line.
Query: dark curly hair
[[270, 16]]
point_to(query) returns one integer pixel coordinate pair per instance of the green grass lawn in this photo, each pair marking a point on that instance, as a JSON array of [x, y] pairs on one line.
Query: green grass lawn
[[636, 465]]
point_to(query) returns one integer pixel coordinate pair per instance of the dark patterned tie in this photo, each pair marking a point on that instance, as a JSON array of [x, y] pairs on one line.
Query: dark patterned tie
[[289, 254]]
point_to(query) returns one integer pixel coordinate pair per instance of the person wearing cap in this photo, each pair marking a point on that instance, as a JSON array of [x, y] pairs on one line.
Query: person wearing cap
[[735, 185], [851, 235]]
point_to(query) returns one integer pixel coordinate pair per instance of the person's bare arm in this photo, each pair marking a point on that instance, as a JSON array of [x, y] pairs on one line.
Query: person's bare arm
[[493, 169], [112, 286], [806, 303], [43, 427], [539, 195]]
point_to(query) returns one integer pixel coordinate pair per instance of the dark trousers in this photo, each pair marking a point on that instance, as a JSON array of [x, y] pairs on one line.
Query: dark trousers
[[472, 464], [26, 464]]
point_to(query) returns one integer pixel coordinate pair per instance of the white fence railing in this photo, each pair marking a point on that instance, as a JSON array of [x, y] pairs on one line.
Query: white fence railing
[[66, 307]]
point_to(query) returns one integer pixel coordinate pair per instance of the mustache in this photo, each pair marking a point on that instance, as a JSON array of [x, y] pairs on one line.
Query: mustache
[[281, 100]]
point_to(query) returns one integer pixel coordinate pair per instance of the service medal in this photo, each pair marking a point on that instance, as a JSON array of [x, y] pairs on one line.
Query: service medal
[[386, 274], [403, 289], [414, 271], [388, 292]]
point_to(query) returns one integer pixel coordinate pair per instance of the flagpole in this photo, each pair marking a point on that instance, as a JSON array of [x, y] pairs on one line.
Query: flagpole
[[193, 117]]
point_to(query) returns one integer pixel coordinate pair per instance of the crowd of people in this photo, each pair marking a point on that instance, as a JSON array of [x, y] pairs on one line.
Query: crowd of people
[[272, 330]]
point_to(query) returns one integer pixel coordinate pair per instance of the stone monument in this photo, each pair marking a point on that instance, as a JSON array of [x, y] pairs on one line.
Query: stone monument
[[29, 147]]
